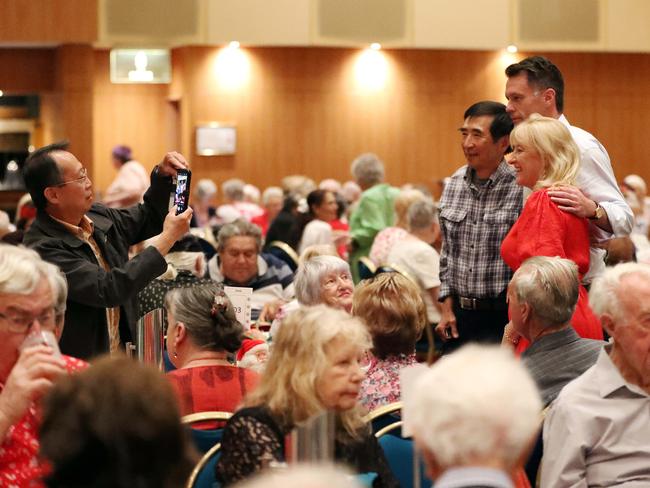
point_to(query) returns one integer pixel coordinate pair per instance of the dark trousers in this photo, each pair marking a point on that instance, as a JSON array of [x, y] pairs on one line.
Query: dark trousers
[[484, 326]]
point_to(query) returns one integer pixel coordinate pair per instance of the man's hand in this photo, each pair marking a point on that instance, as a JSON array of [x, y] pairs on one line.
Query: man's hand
[[570, 199], [32, 375], [446, 328], [174, 227], [171, 163], [270, 310]]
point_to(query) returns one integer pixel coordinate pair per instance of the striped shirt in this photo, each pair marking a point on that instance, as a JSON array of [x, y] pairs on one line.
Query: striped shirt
[[474, 219]]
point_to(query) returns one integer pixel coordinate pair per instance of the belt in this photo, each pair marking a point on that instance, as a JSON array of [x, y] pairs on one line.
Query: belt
[[469, 303]]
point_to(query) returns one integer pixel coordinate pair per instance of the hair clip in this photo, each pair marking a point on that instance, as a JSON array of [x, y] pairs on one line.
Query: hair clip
[[219, 304]]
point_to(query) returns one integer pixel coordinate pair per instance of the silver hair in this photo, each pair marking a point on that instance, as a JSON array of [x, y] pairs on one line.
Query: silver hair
[[184, 260], [20, 272], [603, 295], [272, 192], [367, 169], [550, 286], [251, 193], [233, 189], [205, 188], [445, 411], [307, 283], [304, 475], [239, 227], [58, 285], [421, 215]]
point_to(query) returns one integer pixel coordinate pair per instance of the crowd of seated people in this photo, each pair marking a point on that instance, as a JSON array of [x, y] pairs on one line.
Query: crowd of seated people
[[336, 345]]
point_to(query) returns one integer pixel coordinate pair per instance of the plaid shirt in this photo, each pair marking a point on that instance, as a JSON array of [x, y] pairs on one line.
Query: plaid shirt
[[474, 220]]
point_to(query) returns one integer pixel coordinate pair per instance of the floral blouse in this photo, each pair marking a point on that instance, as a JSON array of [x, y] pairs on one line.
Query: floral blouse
[[381, 384]]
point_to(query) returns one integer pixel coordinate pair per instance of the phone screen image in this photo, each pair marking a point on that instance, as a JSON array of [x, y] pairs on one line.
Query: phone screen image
[[182, 196]]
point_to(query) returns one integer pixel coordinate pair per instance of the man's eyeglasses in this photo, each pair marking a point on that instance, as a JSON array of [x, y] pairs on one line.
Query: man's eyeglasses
[[22, 323], [82, 178]]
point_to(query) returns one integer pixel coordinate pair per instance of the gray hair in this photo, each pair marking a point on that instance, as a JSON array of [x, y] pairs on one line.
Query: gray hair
[[447, 421], [205, 188], [58, 286], [20, 270], [603, 295], [550, 286], [307, 283], [367, 169], [233, 189], [272, 192], [421, 215], [193, 306], [239, 227]]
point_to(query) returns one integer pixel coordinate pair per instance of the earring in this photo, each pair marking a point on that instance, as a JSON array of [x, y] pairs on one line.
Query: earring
[[175, 354]]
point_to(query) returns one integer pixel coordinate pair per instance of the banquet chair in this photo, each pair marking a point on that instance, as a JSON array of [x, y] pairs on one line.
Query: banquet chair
[[399, 452], [383, 416], [205, 439], [285, 252], [202, 476], [366, 267]]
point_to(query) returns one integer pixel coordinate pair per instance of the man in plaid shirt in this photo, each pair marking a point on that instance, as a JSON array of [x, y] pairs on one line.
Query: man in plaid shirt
[[479, 205]]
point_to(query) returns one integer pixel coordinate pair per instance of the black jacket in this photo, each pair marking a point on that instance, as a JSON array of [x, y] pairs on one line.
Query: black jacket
[[90, 288]]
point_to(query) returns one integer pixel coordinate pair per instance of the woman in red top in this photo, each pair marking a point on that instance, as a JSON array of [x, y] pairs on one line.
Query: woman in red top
[[202, 331], [545, 155]]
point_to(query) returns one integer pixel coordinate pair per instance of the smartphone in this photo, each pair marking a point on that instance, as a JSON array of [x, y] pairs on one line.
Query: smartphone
[[182, 196]]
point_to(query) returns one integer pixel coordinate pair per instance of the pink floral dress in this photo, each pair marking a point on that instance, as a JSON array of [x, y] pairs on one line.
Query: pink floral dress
[[381, 384]]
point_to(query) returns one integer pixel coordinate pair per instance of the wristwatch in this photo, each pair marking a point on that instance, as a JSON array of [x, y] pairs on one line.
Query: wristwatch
[[600, 212]]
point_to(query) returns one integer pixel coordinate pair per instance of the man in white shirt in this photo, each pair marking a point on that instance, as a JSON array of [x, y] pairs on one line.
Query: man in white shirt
[[535, 85], [597, 431]]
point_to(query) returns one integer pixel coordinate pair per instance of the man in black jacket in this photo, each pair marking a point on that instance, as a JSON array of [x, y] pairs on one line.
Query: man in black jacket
[[90, 243]]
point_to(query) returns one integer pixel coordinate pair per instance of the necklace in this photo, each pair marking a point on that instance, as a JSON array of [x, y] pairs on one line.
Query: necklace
[[207, 361]]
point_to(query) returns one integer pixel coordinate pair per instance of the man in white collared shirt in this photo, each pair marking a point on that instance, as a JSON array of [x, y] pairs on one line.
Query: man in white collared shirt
[[597, 431], [535, 85]]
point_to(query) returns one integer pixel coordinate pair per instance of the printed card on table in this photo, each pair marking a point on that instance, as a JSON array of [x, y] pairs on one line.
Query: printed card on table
[[240, 297]]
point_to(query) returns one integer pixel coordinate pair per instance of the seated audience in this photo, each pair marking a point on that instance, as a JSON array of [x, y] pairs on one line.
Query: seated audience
[[272, 201], [130, 183], [541, 299], [251, 194], [314, 226], [545, 156], [597, 431], [374, 211], [299, 185], [634, 190], [416, 255], [314, 368], [235, 206], [474, 415], [185, 267], [239, 262], [114, 425], [391, 307], [202, 331], [280, 228], [325, 279], [204, 213], [32, 300], [387, 238]]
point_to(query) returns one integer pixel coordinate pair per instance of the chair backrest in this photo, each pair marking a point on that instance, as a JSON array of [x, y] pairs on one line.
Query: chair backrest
[[205, 439], [203, 476], [396, 268], [366, 267], [383, 416], [400, 455], [285, 252]]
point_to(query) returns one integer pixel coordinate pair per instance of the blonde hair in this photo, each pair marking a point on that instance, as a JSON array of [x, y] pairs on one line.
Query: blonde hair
[[394, 312], [299, 359], [317, 250], [553, 142], [402, 203]]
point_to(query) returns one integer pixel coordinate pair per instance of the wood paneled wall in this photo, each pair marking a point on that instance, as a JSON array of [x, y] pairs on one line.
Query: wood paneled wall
[[302, 112]]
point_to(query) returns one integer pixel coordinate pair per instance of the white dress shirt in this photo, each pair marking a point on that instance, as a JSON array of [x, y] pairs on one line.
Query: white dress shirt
[[597, 181]]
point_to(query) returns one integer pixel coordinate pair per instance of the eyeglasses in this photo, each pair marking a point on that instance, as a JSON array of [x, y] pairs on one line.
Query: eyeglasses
[[82, 178], [20, 324]]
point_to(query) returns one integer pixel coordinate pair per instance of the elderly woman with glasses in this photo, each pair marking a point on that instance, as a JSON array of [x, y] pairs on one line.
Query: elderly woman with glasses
[[314, 368], [202, 331]]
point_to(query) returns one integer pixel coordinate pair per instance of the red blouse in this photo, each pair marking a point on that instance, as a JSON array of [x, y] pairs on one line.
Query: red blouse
[[544, 230], [19, 462]]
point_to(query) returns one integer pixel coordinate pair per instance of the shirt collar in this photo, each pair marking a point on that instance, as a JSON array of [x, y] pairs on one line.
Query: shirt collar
[[553, 340], [564, 120], [502, 169], [461, 477], [83, 230], [610, 379]]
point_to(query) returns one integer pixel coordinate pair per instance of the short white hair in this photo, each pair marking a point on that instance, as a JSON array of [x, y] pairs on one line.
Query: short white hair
[[303, 476], [367, 169], [270, 193], [307, 283], [251, 193], [58, 285], [205, 188], [421, 215], [603, 295], [476, 404], [21, 270], [330, 184], [233, 189]]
